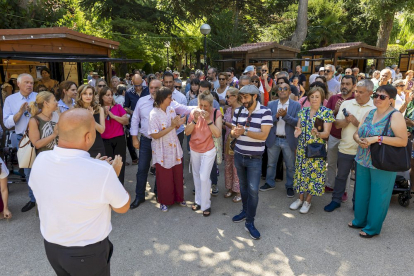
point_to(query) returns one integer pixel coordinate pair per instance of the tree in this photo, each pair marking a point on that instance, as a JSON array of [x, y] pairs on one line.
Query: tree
[[299, 36]]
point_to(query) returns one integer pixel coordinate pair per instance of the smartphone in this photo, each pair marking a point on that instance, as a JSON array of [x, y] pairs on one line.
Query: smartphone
[[345, 112]]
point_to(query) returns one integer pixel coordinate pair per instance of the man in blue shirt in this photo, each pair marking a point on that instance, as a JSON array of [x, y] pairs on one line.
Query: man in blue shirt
[[16, 114], [132, 96]]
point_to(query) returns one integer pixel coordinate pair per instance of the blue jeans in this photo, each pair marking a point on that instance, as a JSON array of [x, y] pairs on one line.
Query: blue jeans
[[273, 156], [144, 163], [26, 172], [249, 171]]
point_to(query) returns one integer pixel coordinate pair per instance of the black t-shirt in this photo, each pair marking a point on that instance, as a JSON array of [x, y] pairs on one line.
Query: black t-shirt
[[302, 78], [294, 90]]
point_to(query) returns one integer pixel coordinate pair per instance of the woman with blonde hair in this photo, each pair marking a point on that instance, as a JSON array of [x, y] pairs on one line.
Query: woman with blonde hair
[[68, 91], [231, 179], [114, 136], [42, 126], [204, 122], [86, 99]]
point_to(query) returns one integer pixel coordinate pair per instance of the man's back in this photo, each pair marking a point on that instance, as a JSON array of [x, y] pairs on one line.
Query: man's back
[[74, 193]]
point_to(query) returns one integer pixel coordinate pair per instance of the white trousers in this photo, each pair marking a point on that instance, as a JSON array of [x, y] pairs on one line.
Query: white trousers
[[201, 164]]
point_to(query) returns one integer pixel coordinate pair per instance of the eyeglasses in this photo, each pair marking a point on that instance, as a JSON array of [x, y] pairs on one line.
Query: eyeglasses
[[137, 85], [327, 71], [177, 87], [102, 85], [283, 89], [382, 97], [222, 79]]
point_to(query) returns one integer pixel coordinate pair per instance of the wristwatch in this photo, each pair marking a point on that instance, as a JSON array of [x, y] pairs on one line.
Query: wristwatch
[[245, 132]]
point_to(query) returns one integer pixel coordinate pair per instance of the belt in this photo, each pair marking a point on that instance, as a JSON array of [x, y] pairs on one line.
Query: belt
[[281, 136], [142, 136], [252, 156]]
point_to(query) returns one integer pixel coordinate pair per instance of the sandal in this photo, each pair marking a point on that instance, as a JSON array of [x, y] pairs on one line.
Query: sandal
[[195, 207], [237, 199], [183, 203], [366, 236], [228, 194], [207, 212], [350, 225]]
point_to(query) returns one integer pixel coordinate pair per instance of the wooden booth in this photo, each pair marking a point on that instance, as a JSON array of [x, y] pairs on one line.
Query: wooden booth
[[60, 49], [406, 61], [270, 53], [351, 54]]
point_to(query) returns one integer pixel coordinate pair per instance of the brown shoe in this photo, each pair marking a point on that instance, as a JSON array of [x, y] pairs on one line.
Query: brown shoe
[[135, 162]]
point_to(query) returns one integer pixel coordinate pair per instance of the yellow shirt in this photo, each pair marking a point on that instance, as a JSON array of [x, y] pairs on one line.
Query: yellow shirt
[[348, 144]]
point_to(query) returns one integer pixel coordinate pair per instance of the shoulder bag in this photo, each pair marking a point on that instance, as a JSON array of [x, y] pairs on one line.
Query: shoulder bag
[[314, 150], [218, 143], [389, 158], [26, 152]]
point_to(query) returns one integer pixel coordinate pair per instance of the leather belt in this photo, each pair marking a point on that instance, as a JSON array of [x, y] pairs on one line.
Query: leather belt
[[281, 136]]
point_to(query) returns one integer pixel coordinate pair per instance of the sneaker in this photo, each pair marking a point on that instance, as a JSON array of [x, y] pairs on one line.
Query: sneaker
[[193, 191], [214, 190], [266, 187], [295, 205], [344, 197], [328, 189], [305, 207], [183, 204], [290, 192], [163, 208], [29, 206], [254, 233], [152, 170], [240, 217], [332, 206], [135, 162]]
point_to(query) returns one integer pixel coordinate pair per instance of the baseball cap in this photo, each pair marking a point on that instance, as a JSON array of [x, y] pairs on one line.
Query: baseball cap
[[249, 68], [322, 69], [249, 89]]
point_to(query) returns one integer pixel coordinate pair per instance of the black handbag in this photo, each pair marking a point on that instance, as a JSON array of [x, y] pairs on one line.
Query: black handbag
[[233, 142], [390, 158], [314, 150]]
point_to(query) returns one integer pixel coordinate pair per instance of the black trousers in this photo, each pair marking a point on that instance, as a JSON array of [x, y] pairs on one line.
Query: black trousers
[[93, 259], [131, 148], [117, 146]]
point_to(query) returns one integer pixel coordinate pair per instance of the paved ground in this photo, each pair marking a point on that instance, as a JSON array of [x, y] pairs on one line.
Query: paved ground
[[181, 242]]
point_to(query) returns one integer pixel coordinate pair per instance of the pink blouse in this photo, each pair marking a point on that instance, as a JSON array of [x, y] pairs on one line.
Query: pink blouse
[[166, 150], [113, 128]]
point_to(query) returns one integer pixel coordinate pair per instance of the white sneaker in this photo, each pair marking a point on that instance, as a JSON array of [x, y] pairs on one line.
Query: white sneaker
[[305, 207], [295, 205]]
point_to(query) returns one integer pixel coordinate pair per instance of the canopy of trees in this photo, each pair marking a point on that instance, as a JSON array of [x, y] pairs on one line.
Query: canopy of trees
[[145, 27]]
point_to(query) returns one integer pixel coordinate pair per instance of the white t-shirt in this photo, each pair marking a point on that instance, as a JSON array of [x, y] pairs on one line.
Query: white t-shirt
[[280, 129], [334, 86], [222, 96], [74, 193], [399, 101], [4, 170]]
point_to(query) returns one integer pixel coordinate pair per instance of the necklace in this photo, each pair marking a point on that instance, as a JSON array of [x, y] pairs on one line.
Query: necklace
[[50, 118]]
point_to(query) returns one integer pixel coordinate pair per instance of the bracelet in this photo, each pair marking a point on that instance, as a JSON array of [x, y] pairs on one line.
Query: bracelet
[[209, 124], [194, 122], [380, 138]]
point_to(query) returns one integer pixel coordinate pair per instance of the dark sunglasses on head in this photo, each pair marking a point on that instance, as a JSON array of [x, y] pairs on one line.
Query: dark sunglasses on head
[[102, 85], [283, 89], [177, 87], [281, 82], [327, 71], [382, 97], [222, 79]]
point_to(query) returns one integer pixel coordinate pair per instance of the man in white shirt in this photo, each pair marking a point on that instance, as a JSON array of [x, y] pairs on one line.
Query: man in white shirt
[[334, 86], [75, 208], [16, 114], [95, 77], [314, 75]]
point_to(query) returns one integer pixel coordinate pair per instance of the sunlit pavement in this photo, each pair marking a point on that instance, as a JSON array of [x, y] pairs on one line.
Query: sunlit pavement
[[182, 242]]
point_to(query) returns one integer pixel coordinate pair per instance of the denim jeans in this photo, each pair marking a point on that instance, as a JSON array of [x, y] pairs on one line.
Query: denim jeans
[[345, 163], [273, 156], [249, 171], [144, 163], [26, 173]]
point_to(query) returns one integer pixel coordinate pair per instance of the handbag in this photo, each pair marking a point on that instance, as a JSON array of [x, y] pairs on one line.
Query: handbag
[[26, 152], [390, 158], [233, 141], [315, 150], [218, 144]]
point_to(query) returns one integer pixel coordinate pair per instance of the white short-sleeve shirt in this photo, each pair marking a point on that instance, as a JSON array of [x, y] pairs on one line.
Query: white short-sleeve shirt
[[4, 171], [74, 193]]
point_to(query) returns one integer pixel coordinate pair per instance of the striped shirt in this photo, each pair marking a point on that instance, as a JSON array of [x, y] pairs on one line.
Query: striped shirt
[[260, 116]]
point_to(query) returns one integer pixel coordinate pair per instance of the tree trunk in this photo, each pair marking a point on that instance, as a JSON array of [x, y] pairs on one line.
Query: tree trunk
[[301, 30], [384, 33]]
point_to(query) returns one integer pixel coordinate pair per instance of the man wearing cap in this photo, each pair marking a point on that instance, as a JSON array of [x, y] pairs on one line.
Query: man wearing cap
[[314, 75], [95, 77], [251, 127]]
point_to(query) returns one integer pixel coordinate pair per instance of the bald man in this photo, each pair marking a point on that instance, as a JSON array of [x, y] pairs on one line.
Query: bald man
[[75, 194], [139, 124]]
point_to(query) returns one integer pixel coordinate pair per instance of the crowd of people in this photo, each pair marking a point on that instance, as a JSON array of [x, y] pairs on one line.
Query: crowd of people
[[253, 124]]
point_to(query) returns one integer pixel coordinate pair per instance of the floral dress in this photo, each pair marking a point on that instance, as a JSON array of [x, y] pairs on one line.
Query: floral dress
[[310, 173], [231, 180]]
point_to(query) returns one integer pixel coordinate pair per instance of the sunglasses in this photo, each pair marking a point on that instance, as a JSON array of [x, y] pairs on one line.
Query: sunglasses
[[264, 71], [26, 113], [221, 79], [382, 97], [228, 96], [177, 87], [327, 71], [249, 119], [283, 89], [256, 81], [101, 85]]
